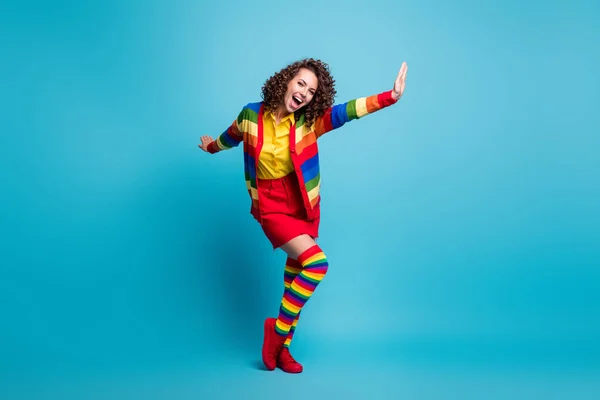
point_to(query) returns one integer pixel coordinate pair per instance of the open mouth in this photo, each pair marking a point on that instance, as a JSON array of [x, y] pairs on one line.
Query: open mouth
[[297, 101]]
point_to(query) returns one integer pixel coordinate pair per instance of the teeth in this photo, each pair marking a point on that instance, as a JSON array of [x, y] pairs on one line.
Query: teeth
[[297, 99]]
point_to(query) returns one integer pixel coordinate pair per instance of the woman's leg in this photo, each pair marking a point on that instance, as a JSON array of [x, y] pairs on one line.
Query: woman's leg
[[292, 269], [314, 267]]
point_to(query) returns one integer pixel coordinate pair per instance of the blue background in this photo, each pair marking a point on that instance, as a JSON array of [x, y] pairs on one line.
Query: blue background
[[462, 225]]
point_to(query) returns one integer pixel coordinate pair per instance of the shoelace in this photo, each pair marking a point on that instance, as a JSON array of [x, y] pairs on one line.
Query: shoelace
[[286, 357]]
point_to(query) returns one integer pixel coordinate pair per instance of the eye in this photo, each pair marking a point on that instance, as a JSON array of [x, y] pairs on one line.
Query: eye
[[300, 83]]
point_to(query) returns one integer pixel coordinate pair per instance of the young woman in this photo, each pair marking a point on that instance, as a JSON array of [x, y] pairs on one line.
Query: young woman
[[281, 163]]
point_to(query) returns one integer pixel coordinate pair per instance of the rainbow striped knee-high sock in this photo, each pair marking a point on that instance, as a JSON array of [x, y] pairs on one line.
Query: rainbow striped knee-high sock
[[292, 269], [302, 286]]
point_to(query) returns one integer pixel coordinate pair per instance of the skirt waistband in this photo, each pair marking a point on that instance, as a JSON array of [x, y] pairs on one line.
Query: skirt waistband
[[278, 182]]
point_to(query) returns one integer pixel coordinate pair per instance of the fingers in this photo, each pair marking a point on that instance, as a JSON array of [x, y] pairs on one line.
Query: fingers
[[402, 72], [205, 141], [400, 82]]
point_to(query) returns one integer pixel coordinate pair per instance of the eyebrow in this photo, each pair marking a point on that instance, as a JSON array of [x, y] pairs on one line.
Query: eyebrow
[[307, 84]]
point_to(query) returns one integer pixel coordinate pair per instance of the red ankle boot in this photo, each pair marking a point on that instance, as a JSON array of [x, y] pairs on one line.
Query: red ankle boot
[[286, 362], [272, 344]]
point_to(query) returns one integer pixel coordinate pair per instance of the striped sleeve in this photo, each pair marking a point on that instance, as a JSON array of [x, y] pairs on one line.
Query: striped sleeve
[[339, 114], [232, 137]]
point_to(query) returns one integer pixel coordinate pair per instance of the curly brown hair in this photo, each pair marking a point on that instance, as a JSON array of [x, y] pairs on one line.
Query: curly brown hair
[[273, 91]]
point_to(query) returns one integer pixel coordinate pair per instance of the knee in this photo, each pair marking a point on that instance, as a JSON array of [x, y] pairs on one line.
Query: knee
[[319, 264]]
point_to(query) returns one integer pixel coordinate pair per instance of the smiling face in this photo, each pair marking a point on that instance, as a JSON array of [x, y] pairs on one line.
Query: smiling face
[[300, 90]]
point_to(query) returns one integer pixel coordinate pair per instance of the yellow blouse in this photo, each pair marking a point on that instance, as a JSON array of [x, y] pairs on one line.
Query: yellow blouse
[[274, 160]]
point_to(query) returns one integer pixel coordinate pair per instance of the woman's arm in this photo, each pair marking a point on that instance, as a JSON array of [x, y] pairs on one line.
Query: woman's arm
[[232, 137], [339, 114]]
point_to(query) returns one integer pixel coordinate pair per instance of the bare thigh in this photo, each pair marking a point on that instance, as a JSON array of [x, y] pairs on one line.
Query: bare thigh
[[298, 245]]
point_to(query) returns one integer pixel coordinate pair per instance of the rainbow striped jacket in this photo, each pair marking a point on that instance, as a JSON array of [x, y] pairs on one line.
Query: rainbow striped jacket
[[248, 128]]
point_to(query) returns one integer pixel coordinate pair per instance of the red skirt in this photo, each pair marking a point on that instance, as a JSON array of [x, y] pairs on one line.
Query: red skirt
[[283, 216]]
